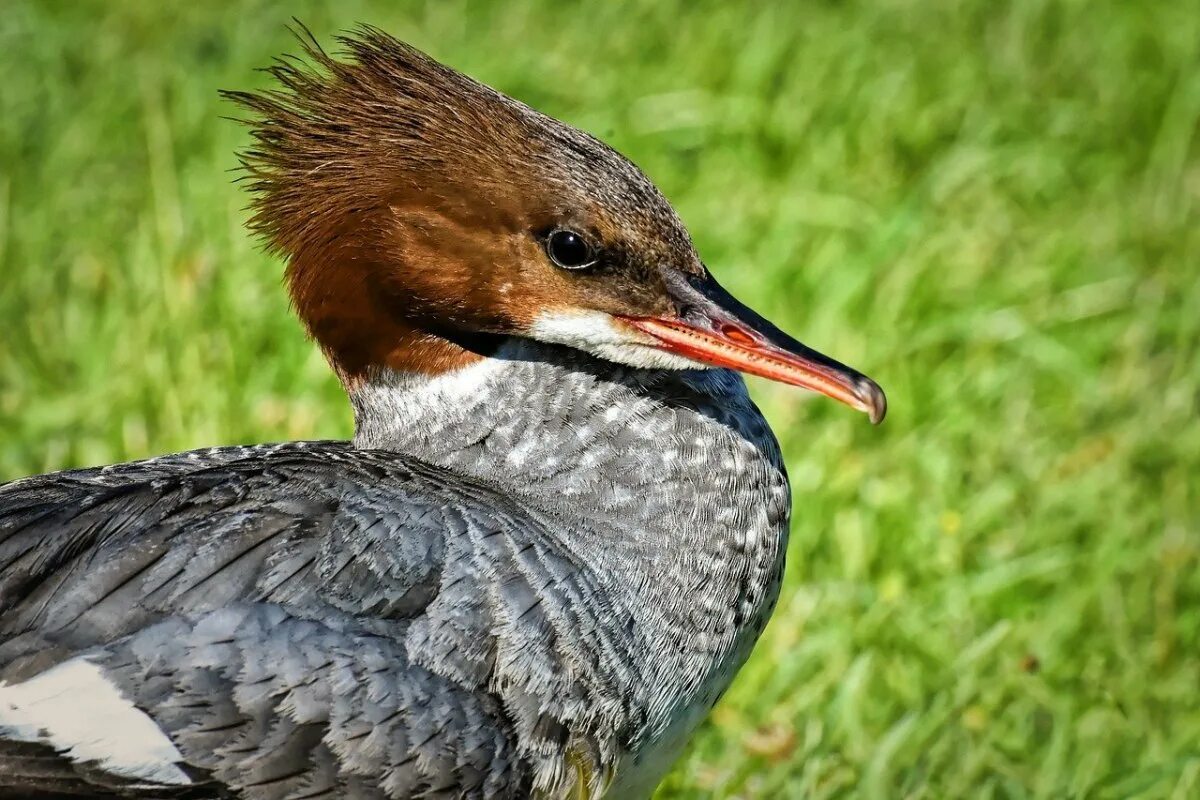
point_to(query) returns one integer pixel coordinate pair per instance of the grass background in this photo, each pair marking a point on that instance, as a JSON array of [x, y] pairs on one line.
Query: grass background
[[991, 207]]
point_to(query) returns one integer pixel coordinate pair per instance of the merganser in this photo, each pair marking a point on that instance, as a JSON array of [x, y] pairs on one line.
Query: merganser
[[554, 539]]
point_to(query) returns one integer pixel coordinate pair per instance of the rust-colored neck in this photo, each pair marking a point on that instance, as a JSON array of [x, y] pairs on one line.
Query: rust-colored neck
[[342, 295]]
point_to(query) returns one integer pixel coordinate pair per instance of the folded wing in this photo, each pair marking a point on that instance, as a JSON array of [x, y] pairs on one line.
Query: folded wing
[[256, 622]]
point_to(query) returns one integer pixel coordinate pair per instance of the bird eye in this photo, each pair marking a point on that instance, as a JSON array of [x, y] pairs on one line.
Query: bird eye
[[569, 250]]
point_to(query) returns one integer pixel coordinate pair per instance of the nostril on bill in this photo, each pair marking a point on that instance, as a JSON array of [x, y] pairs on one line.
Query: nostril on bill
[[738, 335]]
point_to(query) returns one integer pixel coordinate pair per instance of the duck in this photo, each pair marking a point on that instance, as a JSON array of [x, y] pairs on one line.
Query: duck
[[555, 537]]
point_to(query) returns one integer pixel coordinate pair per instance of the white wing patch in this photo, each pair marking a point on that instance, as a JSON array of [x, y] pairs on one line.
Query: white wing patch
[[76, 710]]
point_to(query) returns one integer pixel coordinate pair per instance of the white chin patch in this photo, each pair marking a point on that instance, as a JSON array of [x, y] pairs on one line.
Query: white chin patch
[[594, 332], [76, 710]]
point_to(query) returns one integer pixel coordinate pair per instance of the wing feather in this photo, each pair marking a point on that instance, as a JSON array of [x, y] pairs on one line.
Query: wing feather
[[256, 603]]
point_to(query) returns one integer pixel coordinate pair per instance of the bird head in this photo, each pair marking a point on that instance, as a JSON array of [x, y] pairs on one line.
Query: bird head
[[425, 216]]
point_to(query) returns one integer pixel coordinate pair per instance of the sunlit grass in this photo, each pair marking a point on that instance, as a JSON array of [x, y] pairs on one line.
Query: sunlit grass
[[992, 208]]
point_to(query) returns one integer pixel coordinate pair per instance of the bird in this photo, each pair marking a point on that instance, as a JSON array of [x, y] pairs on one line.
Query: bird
[[555, 537]]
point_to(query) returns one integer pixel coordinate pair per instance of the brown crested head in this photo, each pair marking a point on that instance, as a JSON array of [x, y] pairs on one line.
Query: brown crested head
[[424, 216]]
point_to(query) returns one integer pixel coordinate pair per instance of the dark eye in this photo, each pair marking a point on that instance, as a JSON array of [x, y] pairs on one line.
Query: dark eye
[[569, 250]]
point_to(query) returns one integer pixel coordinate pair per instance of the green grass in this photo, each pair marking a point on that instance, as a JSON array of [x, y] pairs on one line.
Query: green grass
[[993, 210]]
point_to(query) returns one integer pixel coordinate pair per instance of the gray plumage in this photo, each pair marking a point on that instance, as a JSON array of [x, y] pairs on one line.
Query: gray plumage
[[533, 576]]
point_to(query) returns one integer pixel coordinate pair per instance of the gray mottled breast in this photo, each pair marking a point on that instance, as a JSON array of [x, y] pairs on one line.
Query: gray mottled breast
[[668, 491]]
